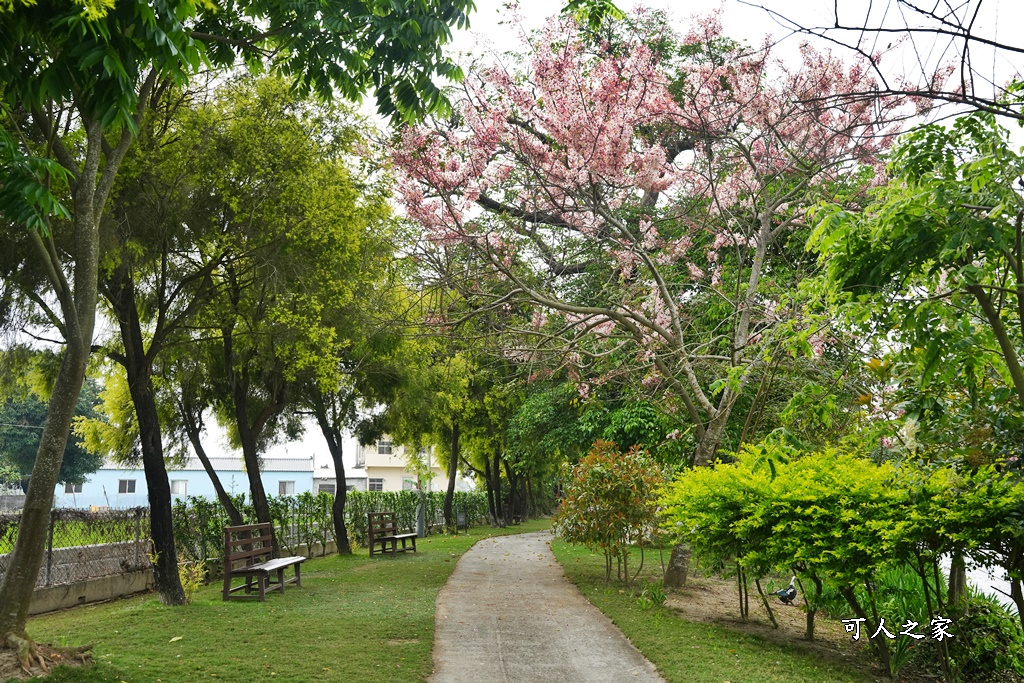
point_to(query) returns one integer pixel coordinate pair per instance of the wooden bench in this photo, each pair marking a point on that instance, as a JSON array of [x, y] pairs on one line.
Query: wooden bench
[[383, 532], [249, 554]]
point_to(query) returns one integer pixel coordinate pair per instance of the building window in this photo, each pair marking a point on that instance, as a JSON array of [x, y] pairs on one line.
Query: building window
[[179, 487], [408, 484], [126, 486], [360, 456], [383, 448], [376, 485], [286, 488], [72, 488], [327, 488]]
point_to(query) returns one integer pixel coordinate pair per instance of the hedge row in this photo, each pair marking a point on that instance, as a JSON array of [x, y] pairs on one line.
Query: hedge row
[[306, 518]]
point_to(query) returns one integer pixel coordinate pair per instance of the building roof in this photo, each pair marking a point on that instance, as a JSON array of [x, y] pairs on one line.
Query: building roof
[[229, 464]]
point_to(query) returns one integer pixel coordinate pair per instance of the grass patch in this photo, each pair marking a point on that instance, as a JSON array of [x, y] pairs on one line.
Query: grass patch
[[688, 652], [355, 618]]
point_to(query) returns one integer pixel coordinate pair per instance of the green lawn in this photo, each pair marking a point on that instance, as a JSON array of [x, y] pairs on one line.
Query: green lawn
[[354, 618], [688, 652], [373, 620]]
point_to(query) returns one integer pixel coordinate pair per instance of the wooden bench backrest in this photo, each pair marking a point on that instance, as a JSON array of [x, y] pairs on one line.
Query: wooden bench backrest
[[247, 545], [382, 524]]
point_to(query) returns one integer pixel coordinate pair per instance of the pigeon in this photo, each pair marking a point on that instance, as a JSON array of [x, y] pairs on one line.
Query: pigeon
[[787, 594]]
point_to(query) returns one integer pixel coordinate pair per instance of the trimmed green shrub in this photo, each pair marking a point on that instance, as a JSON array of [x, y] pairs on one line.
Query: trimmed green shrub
[[609, 503]]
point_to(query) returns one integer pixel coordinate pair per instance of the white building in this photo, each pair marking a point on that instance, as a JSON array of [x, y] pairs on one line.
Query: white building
[[385, 467]]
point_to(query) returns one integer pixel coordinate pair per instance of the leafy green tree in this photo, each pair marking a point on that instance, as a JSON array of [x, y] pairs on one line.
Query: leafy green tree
[[75, 83], [301, 234], [933, 267], [74, 86], [609, 503], [937, 258], [368, 353], [21, 423], [825, 515]]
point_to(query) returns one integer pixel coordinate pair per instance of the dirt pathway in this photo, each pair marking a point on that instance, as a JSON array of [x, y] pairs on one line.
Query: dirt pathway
[[508, 614]]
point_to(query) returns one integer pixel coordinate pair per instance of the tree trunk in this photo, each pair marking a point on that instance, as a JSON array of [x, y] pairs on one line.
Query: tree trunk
[[192, 430], [1014, 567], [338, 511], [957, 579], [334, 445], [811, 605], [870, 625], [531, 502], [513, 488], [499, 508], [453, 470], [1017, 595], [678, 567], [331, 429], [707, 447], [248, 432], [20, 578], [161, 527], [764, 601], [489, 485], [138, 366], [259, 495], [90, 187], [78, 308]]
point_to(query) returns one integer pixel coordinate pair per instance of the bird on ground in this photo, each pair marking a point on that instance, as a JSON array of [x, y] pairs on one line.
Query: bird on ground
[[788, 594]]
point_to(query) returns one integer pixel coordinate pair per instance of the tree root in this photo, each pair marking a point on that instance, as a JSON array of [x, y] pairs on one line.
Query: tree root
[[25, 648], [36, 659]]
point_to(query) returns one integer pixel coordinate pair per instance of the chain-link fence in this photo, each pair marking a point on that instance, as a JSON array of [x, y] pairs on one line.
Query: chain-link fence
[[84, 545]]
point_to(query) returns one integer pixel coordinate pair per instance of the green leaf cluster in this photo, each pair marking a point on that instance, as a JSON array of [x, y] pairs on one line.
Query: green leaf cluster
[[842, 519], [609, 503]]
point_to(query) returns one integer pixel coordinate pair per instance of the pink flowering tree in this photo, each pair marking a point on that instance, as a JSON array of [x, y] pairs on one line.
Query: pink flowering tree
[[645, 194]]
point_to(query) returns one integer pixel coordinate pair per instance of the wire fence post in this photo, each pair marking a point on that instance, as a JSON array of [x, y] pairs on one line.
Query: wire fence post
[[138, 528], [49, 548]]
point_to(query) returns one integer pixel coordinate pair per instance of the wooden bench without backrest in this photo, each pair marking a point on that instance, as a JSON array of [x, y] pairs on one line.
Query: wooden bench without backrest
[[383, 532], [249, 554]]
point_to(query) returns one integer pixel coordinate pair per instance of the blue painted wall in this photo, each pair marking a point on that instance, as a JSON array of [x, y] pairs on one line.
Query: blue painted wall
[[101, 488]]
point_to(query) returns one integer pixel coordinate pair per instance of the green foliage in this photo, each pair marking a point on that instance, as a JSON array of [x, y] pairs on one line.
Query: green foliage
[[346, 47], [53, 53], [593, 13], [989, 639], [943, 238], [21, 426], [872, 533], [192, 576], [26, 197], [652, 595], [826, 512], [608, 503]]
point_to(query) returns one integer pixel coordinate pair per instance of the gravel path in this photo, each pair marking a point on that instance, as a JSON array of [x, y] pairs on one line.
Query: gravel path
[[508, 614]]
